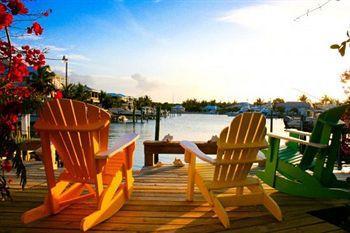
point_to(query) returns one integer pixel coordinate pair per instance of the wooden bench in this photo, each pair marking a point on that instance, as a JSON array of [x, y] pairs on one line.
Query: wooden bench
[[153, 148]]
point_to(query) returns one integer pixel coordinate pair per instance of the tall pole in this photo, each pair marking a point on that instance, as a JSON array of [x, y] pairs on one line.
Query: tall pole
[[65, 59], [66, 73]]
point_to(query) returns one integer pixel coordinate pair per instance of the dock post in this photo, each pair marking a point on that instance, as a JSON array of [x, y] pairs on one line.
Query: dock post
[[141, 116], [156, 136], [271, 121], [133, 115]]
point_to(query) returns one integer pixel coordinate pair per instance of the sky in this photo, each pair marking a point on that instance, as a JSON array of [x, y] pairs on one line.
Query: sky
[[176, 50]]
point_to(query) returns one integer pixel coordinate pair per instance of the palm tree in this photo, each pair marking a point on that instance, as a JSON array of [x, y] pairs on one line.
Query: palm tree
[[68, 91], [143, 101], [327, 100], [277, 101], [105, 100], [81, 92], [303, 98], [259, 102], [41, 80]]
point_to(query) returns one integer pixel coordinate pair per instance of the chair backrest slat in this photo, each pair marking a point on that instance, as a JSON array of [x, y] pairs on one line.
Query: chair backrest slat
[[321, 133], [76, 149], [246, 128], [50, 114]]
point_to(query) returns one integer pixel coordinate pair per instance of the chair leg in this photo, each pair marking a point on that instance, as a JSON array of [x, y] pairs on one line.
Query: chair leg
[[50, 205], [61, 198], [220, 212], [103, 214], [267, 201], [39, 212], [113, 198], [272, 206], [191, 177], [129, 182]]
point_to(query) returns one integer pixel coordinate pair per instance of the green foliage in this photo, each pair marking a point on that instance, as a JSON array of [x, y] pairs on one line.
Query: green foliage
[[41, 80], [105, 100], [303, 98], [327, 100], [259, 102], [194, 105], [277, 101], [143, 101], [166, 106], [279, 109], [76, 91]]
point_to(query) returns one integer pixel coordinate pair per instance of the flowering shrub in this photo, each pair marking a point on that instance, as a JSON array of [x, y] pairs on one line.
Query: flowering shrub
[[22, 83]]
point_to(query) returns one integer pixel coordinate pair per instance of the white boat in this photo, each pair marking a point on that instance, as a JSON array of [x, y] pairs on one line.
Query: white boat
[[122, 119]]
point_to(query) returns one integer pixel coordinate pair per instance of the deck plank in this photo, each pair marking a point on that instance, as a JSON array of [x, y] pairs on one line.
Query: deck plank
[[158, 204]]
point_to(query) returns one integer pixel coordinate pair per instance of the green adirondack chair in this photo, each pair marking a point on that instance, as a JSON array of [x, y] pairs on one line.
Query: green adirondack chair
[[308, 172]]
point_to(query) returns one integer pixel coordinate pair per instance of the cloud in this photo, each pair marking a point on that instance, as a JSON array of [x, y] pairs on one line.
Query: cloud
[[29, 37], [77, 57], [133, 85], [54, 48], [144, 83], [275, 55]]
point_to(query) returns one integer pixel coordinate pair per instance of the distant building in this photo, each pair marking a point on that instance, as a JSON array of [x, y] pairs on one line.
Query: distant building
[[127, 101], [57, 81], [300, 107], [242, 106], [178, 109], [94, 95], [116, 95], [148, 110], [210, 108]]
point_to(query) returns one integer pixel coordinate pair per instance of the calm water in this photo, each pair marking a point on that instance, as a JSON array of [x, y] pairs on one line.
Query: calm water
[[197, 127]]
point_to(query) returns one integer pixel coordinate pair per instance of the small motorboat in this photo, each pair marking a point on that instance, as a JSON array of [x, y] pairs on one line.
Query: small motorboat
[[122, 119], [295, 122]]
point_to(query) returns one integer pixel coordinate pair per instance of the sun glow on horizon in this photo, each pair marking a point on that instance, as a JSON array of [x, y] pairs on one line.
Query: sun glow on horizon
[[215, 50]]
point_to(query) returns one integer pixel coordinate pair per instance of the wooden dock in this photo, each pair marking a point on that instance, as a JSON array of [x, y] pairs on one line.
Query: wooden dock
[[158, 204]]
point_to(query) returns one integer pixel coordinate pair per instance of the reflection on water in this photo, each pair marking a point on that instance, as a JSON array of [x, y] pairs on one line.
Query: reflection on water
[[197, 127]]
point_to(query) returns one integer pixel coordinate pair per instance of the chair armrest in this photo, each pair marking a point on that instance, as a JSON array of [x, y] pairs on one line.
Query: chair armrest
[[291, 139], [119, 146], [43, 126], [303, 133], [193, 148]]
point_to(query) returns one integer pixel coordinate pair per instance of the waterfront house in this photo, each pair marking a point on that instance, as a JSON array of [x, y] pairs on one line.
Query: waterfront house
[[127, 101], [262, 109], [211, 109], [57, 81], [148, 110], [243, 106], [116, 95], [294, 106], [94, 97], [178, 109]]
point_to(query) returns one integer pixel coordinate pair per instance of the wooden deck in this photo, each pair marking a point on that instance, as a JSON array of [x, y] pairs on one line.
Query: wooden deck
[[158, 204]]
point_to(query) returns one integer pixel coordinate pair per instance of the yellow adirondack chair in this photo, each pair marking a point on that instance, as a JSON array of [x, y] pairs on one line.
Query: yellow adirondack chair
[[238, 147], [79, 133]]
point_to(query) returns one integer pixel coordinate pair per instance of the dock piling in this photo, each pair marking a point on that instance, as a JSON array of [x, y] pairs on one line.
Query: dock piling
[[156, 136]]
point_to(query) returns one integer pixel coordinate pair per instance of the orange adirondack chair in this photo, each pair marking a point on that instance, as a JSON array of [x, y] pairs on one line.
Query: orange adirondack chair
[[238, 147], [79, 133]]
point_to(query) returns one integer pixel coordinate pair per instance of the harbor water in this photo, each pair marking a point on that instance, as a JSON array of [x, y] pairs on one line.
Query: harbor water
[[195, 127]]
